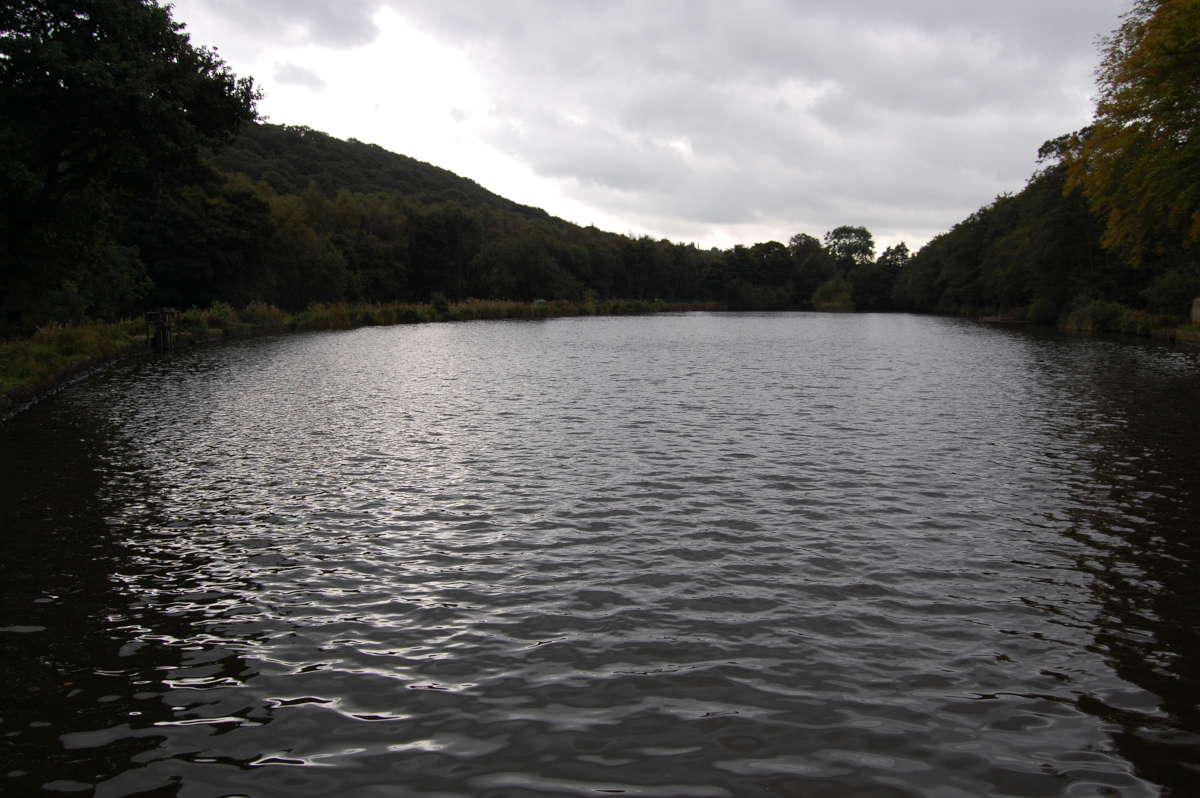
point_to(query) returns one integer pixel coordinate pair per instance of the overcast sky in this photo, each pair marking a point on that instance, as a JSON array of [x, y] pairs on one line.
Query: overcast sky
[[715, 121]]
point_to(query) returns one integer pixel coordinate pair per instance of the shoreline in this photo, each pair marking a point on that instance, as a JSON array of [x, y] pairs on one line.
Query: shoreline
[[221, 322], [53, 351], [15, 402]]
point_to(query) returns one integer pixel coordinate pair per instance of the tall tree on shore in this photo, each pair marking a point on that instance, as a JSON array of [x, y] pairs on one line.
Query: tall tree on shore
[[850, 246], [1139, 163], [99, 99]]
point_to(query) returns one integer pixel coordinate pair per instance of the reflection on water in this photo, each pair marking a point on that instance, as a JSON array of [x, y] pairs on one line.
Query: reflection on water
[[706, 555], [1136, 514]]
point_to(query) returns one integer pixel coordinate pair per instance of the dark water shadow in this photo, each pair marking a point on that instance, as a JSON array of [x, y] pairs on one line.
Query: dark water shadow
[[85, 693], [1136, 515]]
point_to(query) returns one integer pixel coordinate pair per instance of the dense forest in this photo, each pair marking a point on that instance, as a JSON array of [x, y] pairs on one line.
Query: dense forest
[[111, 202], [1040, 254], [300, 216]]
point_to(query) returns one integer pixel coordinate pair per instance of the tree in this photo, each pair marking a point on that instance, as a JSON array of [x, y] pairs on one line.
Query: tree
[[850, 246], [1038, 249], [760, 277], [773, 263], [894, 259], [98, 99], [307, 264], [1139, 163], [803, 246], [813, 266], [443, 241]]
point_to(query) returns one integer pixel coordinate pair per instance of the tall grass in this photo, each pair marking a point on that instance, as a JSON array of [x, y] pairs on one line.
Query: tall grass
[[58, 352], [1113, 317]]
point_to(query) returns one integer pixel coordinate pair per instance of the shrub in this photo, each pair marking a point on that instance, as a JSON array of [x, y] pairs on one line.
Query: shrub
[[193, 320], [261, 315], [1042, 310], [1098, 316], [834, 296], [223, 317]]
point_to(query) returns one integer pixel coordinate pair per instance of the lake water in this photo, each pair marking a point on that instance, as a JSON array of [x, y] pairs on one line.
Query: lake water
[[701, 555]]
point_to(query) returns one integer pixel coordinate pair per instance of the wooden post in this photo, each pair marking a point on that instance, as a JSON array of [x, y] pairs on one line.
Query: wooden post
[[168, 326], [1196, 310], [164, 321]]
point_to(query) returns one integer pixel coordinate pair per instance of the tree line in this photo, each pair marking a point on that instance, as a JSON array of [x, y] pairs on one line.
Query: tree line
[[134, 173], [251, 235]]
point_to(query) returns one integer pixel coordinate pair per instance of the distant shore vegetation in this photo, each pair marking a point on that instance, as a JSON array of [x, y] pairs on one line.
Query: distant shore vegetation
[[111, 204]]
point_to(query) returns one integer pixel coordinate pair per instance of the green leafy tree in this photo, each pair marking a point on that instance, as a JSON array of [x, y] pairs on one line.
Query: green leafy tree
[[646, 268], [758, 277], [443, 241], [894, 259], [307, 265], [99, 99], [1139, 162], [604, 260], [1175, 288], [850, 247]]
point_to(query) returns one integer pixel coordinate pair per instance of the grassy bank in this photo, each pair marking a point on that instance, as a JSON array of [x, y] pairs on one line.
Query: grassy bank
[[55, 355]]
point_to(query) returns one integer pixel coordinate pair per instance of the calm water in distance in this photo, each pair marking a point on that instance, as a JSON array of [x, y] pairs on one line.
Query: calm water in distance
[[704, 555]]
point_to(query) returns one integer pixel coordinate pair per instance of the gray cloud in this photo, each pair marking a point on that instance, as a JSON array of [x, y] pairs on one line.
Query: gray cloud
[[339, 24], [686, 116], [694, 114], [296, 75]]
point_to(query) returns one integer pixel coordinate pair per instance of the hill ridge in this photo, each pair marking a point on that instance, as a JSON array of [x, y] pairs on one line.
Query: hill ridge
[[289, 157]]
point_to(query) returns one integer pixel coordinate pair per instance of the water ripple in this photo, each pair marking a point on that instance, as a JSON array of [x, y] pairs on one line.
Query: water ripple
[[706, 555]]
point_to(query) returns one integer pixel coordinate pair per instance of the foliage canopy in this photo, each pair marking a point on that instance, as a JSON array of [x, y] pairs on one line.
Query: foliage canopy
[[1139, 162], [99, 100]]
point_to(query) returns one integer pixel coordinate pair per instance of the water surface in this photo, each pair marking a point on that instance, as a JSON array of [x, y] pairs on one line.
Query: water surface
[[700, 555]]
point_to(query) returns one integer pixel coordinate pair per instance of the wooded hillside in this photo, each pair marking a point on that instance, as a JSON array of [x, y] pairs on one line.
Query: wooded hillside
[[110, 203]]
